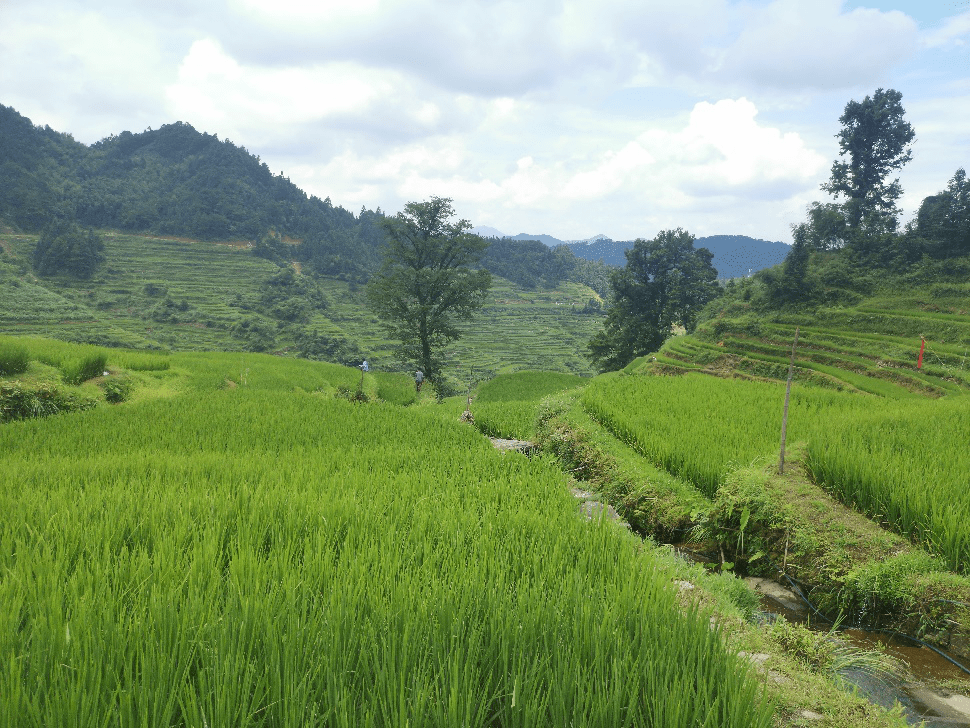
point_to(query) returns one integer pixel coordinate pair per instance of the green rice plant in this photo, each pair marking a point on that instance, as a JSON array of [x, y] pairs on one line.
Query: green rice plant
[[701, 427], [14, 358], [262, 556], [395, 388], [76, 371], [904, 462], [137, 361], [506, 405], [907, 466]]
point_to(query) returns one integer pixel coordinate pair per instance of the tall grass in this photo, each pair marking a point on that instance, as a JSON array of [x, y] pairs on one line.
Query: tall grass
[[262, 556], [909, 466]]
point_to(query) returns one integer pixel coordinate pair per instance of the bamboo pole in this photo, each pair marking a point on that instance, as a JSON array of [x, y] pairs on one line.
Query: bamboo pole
[[784, 417]]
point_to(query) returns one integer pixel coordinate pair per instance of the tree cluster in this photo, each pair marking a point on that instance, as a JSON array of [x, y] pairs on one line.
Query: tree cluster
[[859, 232], [64, 247], [665, 284]]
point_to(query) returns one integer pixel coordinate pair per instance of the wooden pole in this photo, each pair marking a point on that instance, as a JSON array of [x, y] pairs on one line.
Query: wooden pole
[[784, 563], [784, 417]]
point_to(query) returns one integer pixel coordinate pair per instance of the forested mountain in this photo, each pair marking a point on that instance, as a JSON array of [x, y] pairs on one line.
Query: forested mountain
[[172, 181], [182, 182], [531, 264], [734, 255]]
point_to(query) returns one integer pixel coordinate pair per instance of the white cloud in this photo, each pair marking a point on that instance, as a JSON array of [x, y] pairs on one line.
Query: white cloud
[[75, 68], [615, 171], [724, 148], [503, 105], [286, 12], [798, 44], [275, 104], [716, 161], [954, 33], [214, 86]]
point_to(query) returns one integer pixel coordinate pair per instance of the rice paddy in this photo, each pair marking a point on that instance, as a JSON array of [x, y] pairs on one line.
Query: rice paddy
[[255, 552]]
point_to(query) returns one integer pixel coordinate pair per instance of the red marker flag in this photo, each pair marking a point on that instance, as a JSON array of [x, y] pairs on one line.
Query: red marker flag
[[919, 362]]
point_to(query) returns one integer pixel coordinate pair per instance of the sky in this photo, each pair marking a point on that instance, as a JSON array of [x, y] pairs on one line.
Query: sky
[[569, 118]]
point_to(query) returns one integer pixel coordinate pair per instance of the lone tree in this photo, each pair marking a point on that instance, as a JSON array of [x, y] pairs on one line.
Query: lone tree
[[876, 139], [665, 283], [426, 283]]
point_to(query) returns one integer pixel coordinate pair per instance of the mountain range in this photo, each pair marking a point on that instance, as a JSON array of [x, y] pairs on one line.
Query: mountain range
[[735, 256]]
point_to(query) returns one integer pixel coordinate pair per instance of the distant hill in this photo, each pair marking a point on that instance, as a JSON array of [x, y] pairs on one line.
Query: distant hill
[[734, 255], [547, 239], [487, 232]]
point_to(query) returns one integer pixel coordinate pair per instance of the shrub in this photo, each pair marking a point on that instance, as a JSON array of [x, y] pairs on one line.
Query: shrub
[[14, 359], [117, 389], [18, 402]]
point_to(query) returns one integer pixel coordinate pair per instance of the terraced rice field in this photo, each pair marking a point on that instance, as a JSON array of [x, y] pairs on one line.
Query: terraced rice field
[[263, 554]]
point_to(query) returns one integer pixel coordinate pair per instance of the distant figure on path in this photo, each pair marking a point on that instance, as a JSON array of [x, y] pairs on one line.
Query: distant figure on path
[[364, 367], [418, 380]]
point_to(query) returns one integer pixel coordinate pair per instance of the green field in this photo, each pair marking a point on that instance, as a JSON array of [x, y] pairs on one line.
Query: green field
[[506, 406], [903, 461], [249, 549]]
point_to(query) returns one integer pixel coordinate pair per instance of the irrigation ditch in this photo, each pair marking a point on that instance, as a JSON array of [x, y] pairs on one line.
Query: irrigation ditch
[[813, 562]]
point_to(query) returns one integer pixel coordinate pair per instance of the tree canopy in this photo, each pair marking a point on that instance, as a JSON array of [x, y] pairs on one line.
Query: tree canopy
[[665, 283], [943, 220], [64, 247], [426, 283], [876, 140]]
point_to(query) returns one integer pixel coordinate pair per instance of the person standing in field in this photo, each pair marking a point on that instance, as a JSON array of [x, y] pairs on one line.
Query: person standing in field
[[364, 367], [418, 380]]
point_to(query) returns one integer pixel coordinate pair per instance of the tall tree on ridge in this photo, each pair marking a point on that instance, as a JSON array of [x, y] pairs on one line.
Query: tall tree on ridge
[[876, 139]]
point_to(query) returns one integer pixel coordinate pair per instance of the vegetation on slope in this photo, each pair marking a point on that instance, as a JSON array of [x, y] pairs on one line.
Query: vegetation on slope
[[176, 181], [174, 294]]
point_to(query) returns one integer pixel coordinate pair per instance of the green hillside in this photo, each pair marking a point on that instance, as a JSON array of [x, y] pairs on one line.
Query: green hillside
[[868, 341], [178, 182], [180, 294]]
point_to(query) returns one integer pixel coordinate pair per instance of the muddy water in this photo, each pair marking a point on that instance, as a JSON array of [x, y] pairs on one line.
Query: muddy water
[[922, 703]]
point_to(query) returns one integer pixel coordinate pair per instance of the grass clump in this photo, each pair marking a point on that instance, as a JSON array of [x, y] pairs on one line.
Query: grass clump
[[826, 653], [14, 358], [19, 401], [117, 389], [79, 370]]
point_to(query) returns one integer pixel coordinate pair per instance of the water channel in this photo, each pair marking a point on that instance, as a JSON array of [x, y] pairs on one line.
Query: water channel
[[913, 690], [918, 689]]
